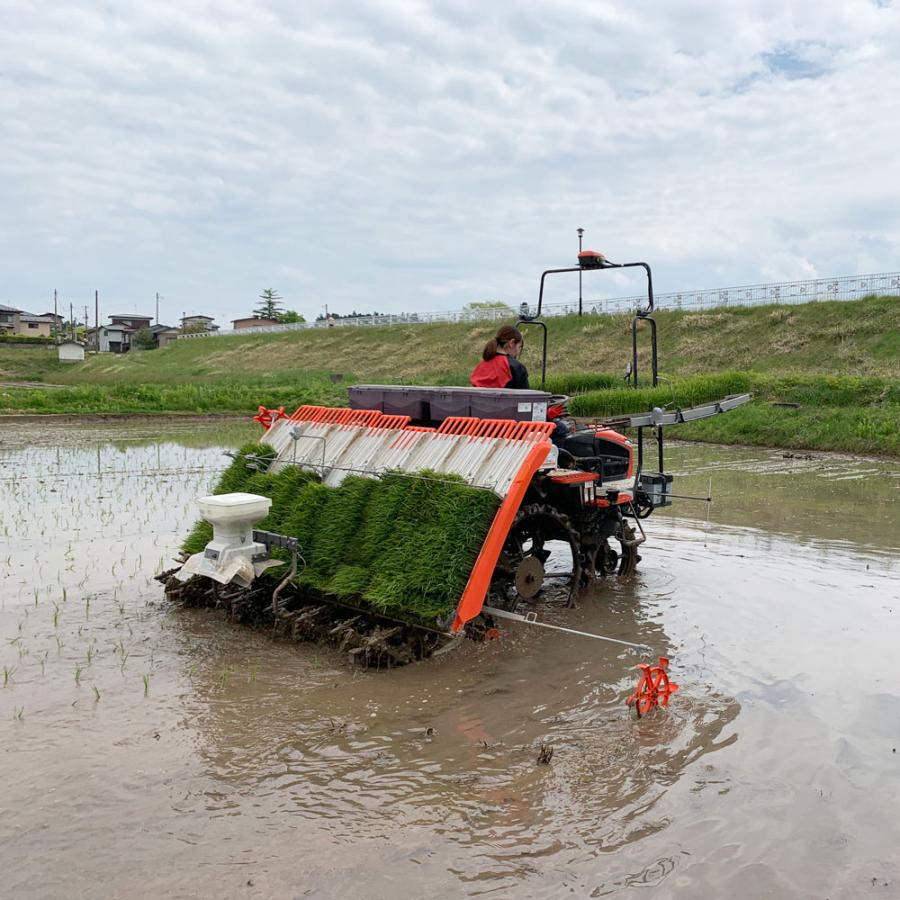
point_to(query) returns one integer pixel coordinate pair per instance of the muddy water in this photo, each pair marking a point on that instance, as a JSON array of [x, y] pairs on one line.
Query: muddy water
[[147, 752]]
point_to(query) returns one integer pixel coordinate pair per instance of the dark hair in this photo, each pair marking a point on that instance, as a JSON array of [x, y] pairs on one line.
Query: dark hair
[[506, 334]]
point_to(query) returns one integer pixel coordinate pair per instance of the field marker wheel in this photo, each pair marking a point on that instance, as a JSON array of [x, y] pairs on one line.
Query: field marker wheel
[[266, 417], [653, 687]]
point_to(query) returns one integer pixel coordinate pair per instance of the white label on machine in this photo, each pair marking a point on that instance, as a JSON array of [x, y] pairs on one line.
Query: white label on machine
[[539, 412], [524, 407]]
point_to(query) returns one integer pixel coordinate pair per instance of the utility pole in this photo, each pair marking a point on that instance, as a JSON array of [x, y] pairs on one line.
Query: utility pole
[[55, 318], [580, 234], [85, 322], [157, 307], [71, 322], [96, 321]]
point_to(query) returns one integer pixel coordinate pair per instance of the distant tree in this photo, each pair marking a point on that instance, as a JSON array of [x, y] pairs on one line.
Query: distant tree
[[196, 328], [290, 317], [478, 305], [269, 305], [143, 339]]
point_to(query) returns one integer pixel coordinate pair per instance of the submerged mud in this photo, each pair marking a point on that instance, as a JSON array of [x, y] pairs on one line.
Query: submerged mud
[[154, 752]]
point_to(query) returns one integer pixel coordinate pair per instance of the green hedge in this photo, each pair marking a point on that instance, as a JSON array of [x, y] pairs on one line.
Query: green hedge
[[25, 340]]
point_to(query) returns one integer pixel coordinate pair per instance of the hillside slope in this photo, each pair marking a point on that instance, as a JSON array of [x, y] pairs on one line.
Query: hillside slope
[[826, 375], [839, 338]]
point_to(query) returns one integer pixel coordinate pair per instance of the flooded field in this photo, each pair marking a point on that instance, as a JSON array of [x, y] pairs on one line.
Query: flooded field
[[151, 752]]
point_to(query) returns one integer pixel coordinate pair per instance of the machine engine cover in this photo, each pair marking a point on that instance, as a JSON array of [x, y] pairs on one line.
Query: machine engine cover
[[606, 452]]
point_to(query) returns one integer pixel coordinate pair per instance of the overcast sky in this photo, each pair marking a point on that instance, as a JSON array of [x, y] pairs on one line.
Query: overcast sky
[[402, 155]]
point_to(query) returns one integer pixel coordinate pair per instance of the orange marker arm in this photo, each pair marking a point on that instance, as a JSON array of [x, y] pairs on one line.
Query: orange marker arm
[[483, 571]]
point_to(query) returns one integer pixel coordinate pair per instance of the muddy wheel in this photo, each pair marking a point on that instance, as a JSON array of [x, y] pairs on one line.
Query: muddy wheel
[[520, 574], [628, 555]]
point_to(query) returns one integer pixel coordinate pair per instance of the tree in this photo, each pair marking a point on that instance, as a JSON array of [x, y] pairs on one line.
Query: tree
[[269, 305], [143, 339], [479, 305], [290, 316]]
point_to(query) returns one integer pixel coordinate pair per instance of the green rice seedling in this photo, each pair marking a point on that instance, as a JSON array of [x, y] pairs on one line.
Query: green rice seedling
[[89, 655], [405, 546], [8, 672], [78, 675], [96, 694], [19, 713], [226, 674], [146, 679], [55, 616]]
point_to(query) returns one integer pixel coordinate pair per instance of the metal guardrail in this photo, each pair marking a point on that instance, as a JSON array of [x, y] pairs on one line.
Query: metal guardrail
[[844, 287]]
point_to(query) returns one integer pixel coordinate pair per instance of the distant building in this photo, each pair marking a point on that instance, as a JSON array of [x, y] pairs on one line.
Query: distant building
[[70, 351], [198, 323], [35, 326], [252, 322], [116, 336], [9, 317], [164, 334], [16, 321], [56, 319]]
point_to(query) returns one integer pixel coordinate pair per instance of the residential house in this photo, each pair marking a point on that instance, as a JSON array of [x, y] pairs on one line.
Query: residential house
[[252, 322], [164, 334], [9, 317], [197, 324], [115, 337], [56, 319], [35, 326], [16, 321]]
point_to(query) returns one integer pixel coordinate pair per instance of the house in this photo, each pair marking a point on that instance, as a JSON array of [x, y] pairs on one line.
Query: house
[[164, 334], [70, 351], [16, 321], [9, 317], [35, 326], [56, 319], [194, 324], [252, 322], [116, 336]]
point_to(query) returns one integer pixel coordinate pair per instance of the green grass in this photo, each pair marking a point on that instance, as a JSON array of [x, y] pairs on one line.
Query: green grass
[[403, 546], [839, 338], [226, 396], [842, 413], [869, 430]]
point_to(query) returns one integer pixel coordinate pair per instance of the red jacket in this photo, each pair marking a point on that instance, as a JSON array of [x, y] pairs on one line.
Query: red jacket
[[492, 373]]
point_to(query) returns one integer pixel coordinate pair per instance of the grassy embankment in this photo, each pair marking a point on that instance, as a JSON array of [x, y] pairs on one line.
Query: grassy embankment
[[826, 374]]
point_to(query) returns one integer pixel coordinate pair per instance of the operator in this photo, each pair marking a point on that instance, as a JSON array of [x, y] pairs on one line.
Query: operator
[[500, 366]]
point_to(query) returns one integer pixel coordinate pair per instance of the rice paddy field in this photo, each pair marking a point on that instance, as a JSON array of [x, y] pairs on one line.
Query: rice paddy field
[[153, 751]]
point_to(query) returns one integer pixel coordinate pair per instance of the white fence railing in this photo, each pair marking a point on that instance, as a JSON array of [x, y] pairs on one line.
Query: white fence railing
[[845, 287]]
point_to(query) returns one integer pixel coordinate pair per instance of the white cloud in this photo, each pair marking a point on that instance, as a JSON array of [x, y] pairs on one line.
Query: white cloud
[[401, 154]]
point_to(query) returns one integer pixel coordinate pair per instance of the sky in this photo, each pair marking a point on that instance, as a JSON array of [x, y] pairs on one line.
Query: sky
[[398, 155]]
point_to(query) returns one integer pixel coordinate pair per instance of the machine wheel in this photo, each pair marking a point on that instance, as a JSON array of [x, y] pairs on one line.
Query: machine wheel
[[520, 570], [603, 560], [628, 557]]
